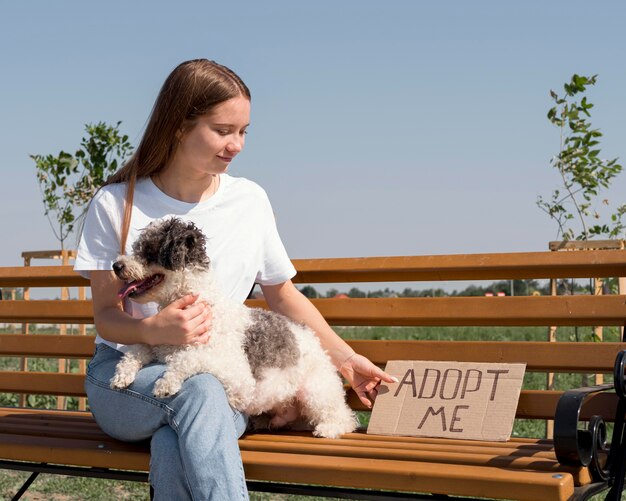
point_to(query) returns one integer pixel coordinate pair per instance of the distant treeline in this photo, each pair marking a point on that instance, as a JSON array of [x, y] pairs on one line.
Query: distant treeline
[[520, 288]]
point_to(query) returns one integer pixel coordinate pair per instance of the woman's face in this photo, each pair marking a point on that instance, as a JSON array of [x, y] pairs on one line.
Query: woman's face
[[214, 139]]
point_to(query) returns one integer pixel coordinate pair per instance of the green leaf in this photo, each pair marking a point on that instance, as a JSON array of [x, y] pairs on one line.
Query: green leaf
[[73, 179]]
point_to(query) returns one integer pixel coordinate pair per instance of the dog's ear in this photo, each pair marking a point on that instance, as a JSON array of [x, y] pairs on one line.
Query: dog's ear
[[195, 243], [186, 246]]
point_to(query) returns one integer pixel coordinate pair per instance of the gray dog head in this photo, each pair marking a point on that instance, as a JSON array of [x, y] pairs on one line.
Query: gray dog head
[[172, 244], [164, 247]]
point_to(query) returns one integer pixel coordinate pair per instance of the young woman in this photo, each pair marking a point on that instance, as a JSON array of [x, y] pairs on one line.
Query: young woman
[[196, 129]]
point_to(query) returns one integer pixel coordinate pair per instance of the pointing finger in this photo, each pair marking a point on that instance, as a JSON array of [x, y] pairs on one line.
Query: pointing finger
[[387, 378]]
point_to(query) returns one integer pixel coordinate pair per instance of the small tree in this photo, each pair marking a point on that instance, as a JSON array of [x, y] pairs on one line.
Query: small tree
[[67, 182], [582, 172]]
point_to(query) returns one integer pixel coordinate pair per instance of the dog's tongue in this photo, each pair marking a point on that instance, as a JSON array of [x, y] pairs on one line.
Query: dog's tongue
[[130, 287]]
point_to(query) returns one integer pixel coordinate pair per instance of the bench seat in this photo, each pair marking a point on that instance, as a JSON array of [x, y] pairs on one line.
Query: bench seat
[[481, 469]]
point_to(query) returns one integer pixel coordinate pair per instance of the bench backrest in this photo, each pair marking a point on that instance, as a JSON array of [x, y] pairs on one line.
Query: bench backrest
[[574, 357]]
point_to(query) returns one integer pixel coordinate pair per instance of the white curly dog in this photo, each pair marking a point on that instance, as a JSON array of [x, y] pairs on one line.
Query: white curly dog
[[267, 363]]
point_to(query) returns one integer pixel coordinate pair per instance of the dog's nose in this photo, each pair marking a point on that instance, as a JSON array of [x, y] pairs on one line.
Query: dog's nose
[[118, 268]]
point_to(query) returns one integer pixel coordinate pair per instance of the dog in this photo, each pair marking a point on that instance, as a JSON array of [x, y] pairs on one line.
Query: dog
[[269, 365]]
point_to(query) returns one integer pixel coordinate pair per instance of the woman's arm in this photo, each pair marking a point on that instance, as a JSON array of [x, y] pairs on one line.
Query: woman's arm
[[362, 374], [181, 322]]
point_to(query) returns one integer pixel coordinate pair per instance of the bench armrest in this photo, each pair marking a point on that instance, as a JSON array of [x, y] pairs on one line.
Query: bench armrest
[[588, 447], [574, 446]]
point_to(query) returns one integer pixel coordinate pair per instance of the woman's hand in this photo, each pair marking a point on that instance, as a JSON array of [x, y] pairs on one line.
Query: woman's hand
[[184, 321], [364, 377]]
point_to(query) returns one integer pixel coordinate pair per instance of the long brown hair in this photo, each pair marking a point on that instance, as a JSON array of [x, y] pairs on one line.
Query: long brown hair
[[191, 90]]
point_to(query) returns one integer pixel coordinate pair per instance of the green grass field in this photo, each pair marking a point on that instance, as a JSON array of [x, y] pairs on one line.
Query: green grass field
[[61, 488]]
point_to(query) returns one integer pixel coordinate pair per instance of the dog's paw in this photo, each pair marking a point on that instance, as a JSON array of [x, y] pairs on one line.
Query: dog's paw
[[337, 425], [122, 380], [332, 430], [166, 388]]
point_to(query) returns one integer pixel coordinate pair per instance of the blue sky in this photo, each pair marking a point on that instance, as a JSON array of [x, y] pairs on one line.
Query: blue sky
[[378, 128]]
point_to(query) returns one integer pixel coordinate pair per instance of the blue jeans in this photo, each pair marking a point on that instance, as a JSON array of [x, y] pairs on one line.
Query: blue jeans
[[194, 450]]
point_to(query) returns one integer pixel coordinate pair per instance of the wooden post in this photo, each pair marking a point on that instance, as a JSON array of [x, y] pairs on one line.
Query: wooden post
[[621, 289], [63, 365], [25, 330], [10, 294], [597, 330], [82, 365], [550, 375]]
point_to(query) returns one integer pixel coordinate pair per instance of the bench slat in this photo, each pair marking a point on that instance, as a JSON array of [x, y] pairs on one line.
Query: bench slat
[[42, 383], [514, 265], [519, 265], [45, 345], [75, 452], [59, 430], [41, 276], [513, 447], [47, 311], [407, 476], [538, 356], [473, 311], [47, 415], [446, 311], [541, 404]]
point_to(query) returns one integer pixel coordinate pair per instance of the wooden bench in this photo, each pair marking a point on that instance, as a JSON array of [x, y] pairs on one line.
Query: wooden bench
[[576, 464]]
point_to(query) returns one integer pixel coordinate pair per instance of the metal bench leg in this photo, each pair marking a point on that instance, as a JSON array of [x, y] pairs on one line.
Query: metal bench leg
[[619, 464], [617, 456], [26, 485]]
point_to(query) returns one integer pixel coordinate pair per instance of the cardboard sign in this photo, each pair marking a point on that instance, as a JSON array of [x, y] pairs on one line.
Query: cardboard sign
[[448, 399]]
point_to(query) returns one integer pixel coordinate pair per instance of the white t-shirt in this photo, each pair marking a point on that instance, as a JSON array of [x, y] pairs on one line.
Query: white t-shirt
[[242, 240]]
